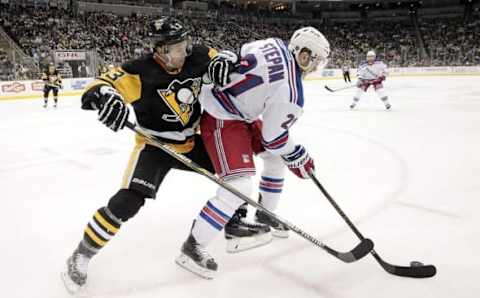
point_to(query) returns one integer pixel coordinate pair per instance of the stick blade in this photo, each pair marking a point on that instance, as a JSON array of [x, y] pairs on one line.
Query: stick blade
[[424, 271], [329, 89], [361, 250]]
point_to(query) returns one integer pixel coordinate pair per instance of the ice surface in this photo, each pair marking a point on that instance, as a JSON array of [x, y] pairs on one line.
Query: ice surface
[[407, 177]]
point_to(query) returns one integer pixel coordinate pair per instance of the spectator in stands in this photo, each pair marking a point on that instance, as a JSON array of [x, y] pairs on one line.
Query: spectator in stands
[[117, 38]]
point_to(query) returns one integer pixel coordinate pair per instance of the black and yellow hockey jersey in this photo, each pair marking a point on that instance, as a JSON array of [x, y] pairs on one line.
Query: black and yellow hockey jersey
[[52, 79], [154, 93]]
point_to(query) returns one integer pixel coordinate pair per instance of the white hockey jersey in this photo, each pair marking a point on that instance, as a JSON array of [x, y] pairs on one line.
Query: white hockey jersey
[[267, 84], [372, 71]]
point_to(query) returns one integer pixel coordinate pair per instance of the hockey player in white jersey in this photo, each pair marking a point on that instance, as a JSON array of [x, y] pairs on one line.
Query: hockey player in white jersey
[[265, 81], [371, 73]]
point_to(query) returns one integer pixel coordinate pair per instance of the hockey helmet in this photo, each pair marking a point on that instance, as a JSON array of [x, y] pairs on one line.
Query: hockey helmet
[[371, 54], [167, 31], [309, 38]]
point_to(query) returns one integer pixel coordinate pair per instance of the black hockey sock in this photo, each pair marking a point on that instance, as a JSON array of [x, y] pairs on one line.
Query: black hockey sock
[[101, 228]]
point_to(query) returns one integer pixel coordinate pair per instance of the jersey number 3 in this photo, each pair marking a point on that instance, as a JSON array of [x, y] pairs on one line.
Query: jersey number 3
[[250, 81]]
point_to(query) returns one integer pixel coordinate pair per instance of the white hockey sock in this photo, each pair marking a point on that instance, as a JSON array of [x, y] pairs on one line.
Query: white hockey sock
[[270, 189], [218, 211], [211, 220]]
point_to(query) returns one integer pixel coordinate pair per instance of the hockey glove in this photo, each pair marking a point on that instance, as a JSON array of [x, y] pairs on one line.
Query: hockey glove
[[378, 80], [299, 162], [362, 83], [221, 66], [113, 112]]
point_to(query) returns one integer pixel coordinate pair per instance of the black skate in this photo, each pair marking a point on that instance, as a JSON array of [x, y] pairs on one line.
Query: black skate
[[388, 106], [352, 106], [278, 230], [195, 258], [242, 235], [75, 275]]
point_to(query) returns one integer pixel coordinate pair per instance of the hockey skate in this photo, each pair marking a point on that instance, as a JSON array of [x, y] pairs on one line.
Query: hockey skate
[[352, 106], [388, 106], [242, 235], [195, 258], [75, 274], [278, 230]]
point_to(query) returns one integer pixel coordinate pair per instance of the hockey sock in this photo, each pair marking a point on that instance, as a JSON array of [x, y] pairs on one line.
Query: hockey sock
[[270, 189], [219, 210], [101, 228], [211, 220]]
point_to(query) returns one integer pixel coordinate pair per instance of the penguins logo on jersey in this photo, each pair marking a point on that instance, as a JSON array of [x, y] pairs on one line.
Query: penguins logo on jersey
[[180, 98]]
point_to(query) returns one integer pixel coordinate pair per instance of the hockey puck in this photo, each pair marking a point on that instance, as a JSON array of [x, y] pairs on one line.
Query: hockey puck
[[416, 264]]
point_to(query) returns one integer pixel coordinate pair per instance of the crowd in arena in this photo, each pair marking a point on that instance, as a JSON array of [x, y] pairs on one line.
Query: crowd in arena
[[452, 41], [6, 66], [117, 38]]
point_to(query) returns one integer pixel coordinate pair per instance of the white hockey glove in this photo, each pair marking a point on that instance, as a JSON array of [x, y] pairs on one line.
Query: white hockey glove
[[299, 162], [114, 112], [221, 66]]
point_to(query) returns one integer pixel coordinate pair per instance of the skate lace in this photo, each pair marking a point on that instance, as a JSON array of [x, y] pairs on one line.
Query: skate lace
[[251, 224], [202, 252]]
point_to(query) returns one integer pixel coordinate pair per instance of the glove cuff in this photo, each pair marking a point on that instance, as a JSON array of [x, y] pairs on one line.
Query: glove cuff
[[297, 157]]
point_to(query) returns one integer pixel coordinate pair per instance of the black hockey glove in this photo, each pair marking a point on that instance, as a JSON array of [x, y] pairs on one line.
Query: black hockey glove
[[221, 66], [113, 112]]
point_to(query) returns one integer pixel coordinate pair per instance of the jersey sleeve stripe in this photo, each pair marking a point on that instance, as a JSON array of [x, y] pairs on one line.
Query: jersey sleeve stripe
[[294, 75], [224, 100], [276, 143]]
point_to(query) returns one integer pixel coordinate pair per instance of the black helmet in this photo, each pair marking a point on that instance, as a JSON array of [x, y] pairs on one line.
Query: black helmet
[[167, 30]]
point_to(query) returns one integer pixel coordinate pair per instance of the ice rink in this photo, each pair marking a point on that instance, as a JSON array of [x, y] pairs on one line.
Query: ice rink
[[409, 178]]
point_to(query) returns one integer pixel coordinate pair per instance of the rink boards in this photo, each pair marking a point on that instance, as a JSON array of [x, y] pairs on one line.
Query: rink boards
[[33, 89]]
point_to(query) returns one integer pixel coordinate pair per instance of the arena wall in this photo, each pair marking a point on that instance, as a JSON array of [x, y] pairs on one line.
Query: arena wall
[[34, 89], [331, 74], [10, 90]]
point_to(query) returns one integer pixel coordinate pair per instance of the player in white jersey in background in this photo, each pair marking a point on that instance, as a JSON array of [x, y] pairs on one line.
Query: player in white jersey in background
[[266, 82], [371, 73]]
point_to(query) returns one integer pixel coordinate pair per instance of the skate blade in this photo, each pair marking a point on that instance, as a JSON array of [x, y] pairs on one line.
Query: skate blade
[[71, 287], [188, 264], [240, 244], [279, 233]]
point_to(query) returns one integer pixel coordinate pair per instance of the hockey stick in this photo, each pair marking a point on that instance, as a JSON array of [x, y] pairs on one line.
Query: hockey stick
[[416, 269], [361, 250], [339, 89]]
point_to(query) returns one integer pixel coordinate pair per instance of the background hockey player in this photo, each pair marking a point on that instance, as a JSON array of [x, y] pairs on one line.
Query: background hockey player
[[163, 90], [267, 82], [346, 72], [52, 82], [371, 73]]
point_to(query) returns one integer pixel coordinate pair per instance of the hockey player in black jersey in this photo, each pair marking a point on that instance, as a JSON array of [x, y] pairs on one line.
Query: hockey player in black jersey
[[53, 82], [163, 90]]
